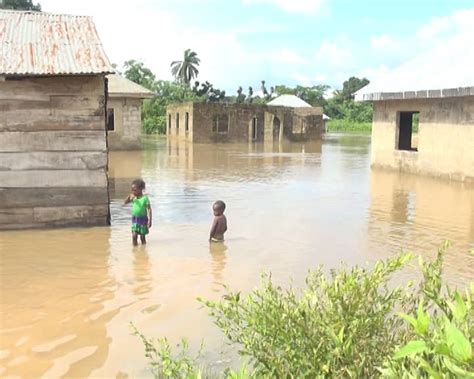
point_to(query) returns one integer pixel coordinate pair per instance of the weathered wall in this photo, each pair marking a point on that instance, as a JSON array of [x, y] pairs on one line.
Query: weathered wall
[[445, 137], [240, 116], [53, 154], [127, 114], [171, 127]]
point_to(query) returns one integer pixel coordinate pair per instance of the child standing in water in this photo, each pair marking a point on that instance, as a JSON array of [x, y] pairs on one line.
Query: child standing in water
[[141, 211], [219, 225]]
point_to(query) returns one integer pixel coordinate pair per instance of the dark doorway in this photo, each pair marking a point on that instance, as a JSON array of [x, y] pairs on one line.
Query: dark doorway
[[276, 128], [254, 129], [169, 123], [405, 130], [186, 122], [110, 120], [177, 122]]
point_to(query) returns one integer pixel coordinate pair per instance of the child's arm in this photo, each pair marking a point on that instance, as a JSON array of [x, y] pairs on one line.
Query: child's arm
[[149, 215], [128, 199], [213, 228]]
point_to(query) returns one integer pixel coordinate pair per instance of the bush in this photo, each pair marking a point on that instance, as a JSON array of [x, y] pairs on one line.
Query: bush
[[348, 324], [154, 125]]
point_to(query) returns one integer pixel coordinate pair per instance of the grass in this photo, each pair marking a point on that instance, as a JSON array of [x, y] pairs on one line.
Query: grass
[[348, 126]]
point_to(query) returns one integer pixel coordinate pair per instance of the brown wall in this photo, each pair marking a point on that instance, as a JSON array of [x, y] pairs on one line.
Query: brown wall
[[240, 116], [445, 137], [53, 155]]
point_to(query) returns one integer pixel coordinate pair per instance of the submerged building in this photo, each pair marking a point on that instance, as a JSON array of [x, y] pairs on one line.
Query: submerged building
[[285, 117], [427, 132], [124, 112], [53, 150]]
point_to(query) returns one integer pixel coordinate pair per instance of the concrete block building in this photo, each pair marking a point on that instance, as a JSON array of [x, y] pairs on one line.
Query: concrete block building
[[444, 144], [124, 112], [243, 122]]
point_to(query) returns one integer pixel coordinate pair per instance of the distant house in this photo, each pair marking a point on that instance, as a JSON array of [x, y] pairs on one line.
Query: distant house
[[53, 157], [124, 112], [284, 117], [443, 145]]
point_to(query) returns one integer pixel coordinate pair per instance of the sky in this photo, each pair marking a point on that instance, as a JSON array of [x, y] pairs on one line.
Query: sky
[[414, 44]]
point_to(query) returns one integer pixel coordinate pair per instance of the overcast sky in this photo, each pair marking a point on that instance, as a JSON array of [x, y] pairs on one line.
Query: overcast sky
[[409, 43]]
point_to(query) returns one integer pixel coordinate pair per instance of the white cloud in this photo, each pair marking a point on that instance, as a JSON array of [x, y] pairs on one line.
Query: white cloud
[[334, 54], [289, 56], [442, 62], [291, 6], [381, 41]]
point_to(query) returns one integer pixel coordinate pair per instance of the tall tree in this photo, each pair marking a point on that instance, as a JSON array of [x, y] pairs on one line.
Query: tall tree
[[138, 73], [186, 70], [26, 5]]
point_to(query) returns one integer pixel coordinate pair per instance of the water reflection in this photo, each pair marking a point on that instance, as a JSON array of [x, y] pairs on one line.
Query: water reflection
[[418, 213], [51, 304], [218, 254]]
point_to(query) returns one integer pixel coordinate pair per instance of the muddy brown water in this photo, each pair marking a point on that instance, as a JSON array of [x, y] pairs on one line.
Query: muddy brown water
[[67, 296]]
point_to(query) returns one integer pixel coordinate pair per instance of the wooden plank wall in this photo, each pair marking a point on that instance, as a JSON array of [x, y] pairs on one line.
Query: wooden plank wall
[[53, 154]]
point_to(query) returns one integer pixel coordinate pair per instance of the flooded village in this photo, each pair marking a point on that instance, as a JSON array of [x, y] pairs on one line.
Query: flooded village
[[372, 208]]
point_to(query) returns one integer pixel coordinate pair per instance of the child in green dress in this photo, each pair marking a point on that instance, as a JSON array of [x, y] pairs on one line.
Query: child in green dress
[[141, 211]]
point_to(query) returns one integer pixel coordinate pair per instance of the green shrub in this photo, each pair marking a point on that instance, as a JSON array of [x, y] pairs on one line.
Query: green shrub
[[154, 125], [351, 323], [442, 330]]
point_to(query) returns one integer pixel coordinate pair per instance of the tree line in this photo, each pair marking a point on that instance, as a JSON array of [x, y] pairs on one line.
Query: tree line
[[341, 106]]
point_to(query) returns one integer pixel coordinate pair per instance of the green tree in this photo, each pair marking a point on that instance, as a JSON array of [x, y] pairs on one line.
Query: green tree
[[351, 86], [313, 95], [26, 5], [186, 70], [138, 73]]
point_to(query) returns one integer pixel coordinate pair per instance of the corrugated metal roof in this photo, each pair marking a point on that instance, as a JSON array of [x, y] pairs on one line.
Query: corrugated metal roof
[[122, 87], [37, 43]]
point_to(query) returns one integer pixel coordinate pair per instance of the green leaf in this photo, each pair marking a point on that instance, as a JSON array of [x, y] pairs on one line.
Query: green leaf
[[409, 319], [423, 320], [458, 308], [458, 344], [456, 370], [411, 348]]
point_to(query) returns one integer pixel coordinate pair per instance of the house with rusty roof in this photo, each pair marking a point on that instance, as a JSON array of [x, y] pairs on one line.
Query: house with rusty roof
[[53, 148], [124, 112]]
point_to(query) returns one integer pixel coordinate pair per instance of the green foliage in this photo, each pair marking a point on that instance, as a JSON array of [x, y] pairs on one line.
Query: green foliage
[[442, 332], [348, 324], [348, 126], [186, 70], [26, 5], [138, 73], [312, 95], [166, 364], [351, 86], [339, 326]]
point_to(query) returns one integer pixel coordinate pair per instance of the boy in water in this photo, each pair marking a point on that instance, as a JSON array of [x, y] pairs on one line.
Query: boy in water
[[219, 226], [141, 211]]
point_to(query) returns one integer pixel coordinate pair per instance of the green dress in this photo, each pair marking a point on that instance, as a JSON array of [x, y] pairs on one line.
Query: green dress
[[139, 215]]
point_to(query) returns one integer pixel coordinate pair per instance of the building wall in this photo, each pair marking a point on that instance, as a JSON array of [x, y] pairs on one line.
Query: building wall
[[53, 157], [239, 118], [127, 116], [445, 137]]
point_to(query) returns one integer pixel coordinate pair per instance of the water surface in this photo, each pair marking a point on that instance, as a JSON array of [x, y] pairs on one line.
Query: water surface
[[67, 296]]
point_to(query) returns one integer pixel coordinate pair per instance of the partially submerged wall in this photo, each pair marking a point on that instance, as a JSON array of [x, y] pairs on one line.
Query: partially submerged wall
[[127, 123], [53, 156], [242, 122], [445, 137]]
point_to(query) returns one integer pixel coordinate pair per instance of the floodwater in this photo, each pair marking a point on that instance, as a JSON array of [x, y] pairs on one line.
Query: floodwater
[[68, 296]]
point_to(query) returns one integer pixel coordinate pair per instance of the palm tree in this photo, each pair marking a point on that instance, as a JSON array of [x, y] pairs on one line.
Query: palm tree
[[186, 70]]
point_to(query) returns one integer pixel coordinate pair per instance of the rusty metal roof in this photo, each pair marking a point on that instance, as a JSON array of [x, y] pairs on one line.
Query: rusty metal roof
[[37, 43]]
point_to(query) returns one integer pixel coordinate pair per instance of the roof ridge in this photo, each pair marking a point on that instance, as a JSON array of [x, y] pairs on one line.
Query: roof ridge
[[41, 13]]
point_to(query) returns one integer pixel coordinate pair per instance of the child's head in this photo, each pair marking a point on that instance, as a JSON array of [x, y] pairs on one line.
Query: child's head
[[218, 208], [138, 185]]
